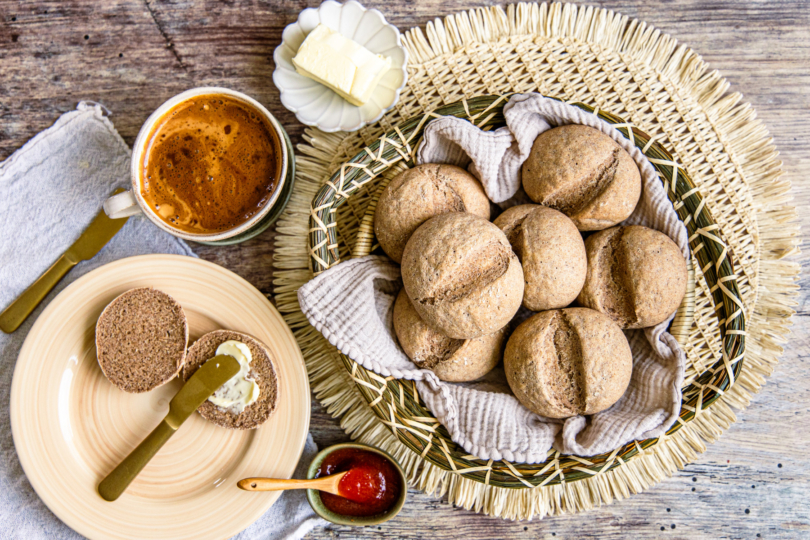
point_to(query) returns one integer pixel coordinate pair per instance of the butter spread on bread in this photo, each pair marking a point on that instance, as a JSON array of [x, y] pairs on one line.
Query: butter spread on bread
[[240, 390]]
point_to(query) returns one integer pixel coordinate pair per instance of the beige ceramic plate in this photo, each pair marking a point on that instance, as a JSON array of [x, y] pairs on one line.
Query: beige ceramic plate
[[71, 426]]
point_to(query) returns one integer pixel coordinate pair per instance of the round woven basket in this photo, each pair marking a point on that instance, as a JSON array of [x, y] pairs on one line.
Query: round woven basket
[[717, 165], [397, 399]]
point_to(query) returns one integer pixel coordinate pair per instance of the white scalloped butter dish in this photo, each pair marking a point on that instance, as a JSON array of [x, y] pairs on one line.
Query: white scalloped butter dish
[[317, 105]]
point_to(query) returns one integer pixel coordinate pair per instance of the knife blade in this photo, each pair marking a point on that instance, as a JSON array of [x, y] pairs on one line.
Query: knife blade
[[95, 236], [213, 374]]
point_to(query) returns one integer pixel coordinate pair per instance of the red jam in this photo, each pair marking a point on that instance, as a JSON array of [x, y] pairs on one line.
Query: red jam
[[370, 487]]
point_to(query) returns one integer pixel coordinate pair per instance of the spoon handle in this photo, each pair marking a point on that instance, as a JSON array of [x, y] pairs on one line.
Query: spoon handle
[[327, 483]]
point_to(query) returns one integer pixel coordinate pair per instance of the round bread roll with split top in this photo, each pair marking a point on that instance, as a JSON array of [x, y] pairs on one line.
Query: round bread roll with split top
[[141, 340], [551, 251], [584, 174], [452, 360], [418, 194], [462, 276], [568, 362], [636, 276]]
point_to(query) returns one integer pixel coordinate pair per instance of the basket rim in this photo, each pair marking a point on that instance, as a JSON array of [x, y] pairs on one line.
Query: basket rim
[[395, 402]]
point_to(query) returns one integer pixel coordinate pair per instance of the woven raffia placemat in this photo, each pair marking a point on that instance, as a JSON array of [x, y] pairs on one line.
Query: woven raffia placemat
[[616, 65]]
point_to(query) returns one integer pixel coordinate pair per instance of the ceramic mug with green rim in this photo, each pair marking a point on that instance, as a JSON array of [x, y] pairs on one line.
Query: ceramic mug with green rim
[[133, 202]]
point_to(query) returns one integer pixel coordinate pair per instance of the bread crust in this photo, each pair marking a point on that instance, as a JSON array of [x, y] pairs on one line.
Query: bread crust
[[262, 371], [551, 252], [416, 195], [584, 174], [636, 275], [452, 360], [462, 276], [141, 338], [568, 362]]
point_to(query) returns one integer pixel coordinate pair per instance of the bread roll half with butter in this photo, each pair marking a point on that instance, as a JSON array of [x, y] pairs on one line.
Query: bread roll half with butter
[[233, 413]]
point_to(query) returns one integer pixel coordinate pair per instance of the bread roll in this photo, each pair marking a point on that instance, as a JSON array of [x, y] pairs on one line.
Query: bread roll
[[418, 194], [636, 276], [462, 276], [452, 360], [261, 370], [551, 251], [568, 362], [584, 174], [141, 339]]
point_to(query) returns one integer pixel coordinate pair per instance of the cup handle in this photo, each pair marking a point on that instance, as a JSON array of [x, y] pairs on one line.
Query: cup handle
[[122, 205]]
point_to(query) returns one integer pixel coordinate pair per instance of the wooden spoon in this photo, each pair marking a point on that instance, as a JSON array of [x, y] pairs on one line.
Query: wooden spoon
[[328, 484]]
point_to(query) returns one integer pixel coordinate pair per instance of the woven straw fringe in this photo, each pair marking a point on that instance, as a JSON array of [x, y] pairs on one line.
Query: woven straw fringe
[[744, 190]]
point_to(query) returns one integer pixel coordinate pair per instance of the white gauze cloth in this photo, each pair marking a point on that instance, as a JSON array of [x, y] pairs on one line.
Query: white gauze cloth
[[351, 304], [50, 190]]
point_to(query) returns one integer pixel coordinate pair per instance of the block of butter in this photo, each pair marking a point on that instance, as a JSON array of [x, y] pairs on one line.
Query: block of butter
[[340, 64]]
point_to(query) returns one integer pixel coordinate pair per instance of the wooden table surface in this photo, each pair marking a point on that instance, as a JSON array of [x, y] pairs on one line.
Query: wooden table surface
[[131, 55]]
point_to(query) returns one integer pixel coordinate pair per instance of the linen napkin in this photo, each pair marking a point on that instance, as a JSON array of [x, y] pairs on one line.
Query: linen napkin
[[351, 305], [50, 190]]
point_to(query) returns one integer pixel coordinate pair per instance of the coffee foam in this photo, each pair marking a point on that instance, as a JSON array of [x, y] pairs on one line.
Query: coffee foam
[[211, 164]]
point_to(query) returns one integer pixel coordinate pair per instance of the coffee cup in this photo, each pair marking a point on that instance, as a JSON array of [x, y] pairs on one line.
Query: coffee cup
[[240, 168]]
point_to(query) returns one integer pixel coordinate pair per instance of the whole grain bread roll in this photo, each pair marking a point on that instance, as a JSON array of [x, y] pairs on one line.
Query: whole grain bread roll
[[462, 276], [551, 251], [584, 174], [418, 194], [261, 370], [636, 276], [141, 339], [568, 362], [452, 360]]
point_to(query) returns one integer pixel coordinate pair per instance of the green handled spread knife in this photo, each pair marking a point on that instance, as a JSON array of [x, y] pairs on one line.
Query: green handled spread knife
[[213, 374], [98, 233]]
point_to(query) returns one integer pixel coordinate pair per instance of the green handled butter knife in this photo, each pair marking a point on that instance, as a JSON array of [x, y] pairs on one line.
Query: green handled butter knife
[[213, 374], [95, 236]]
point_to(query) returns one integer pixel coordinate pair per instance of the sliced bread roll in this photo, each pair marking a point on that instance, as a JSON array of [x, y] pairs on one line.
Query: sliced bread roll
[[261, 370], [141, 340]]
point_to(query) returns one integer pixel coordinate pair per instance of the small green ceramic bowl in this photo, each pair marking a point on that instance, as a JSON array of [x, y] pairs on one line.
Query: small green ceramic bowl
[[314, 496]]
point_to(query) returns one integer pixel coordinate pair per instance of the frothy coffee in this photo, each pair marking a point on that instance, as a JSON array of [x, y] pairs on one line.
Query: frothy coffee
[[210, 164]]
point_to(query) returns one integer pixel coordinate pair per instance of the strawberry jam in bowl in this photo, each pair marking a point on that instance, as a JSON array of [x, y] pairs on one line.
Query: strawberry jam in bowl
[[372, 491]]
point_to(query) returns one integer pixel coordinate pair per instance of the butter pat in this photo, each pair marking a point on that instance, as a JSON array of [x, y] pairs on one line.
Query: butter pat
[[240, 390], [349, 69]]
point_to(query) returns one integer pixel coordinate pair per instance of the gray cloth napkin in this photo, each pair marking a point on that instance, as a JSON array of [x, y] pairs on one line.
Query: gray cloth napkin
[[351, 305], [50, 190]]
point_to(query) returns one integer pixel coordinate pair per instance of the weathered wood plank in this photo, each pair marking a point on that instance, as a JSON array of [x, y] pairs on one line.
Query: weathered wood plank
[[138, 53]]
